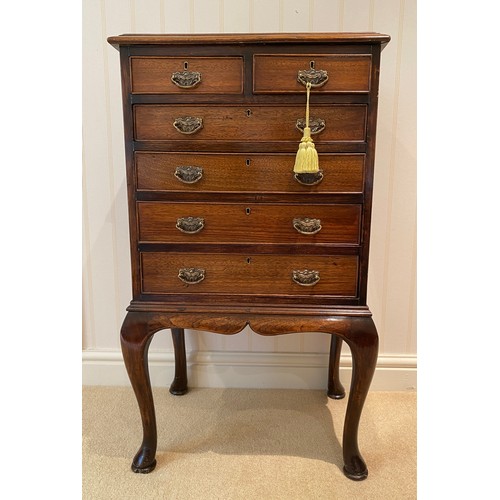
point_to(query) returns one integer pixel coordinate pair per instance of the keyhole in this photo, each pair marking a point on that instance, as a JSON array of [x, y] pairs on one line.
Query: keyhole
[[249, 260], [312, 64], [247, 211], [248, 112], [186, 64], [248, 162]]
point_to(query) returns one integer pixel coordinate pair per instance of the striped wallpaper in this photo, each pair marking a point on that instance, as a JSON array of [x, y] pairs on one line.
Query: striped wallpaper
[[106, 271]]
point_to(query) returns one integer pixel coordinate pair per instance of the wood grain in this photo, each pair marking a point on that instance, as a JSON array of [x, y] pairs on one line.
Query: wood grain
[[343, 173], [277, 73], [249, 274], [248, 223], [258, 38], [219, 75], [249, 123]]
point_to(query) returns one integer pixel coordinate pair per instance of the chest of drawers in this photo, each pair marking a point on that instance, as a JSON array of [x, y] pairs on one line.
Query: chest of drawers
[[223, 233]]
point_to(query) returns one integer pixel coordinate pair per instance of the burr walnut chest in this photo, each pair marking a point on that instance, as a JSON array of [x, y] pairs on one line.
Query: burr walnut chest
[[223, 233]]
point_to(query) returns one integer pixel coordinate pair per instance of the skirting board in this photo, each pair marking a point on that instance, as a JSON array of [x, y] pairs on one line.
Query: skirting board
[[250, 370]]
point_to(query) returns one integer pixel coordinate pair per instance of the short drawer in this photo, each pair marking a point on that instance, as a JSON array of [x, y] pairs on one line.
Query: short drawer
[[161, 222], [174, 273], [186, 75], [339, 73], [212, 172], [248, 123]]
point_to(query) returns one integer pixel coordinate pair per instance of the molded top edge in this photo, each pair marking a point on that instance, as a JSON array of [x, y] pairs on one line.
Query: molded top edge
[[240, 38]]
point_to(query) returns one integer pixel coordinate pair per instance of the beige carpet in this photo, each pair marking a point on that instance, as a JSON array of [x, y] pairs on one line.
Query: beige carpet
[[247, 444]]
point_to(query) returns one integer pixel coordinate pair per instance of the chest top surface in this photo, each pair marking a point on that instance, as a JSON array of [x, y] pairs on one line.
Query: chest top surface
[[245, 38], [218, 218]]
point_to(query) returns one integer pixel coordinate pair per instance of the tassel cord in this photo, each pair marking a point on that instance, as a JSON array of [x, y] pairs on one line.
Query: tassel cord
[[308, 91]]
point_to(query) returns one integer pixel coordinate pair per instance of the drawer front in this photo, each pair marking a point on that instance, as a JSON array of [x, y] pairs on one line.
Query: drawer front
[[247, 123], [250, 223], [249, 274], [341, 173], [186, 75], [332, 73]]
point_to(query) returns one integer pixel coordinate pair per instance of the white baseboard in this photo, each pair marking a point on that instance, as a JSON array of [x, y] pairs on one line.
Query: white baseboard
[[250, 370]]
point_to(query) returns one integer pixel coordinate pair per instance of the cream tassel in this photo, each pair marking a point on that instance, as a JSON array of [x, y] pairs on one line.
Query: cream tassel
[[306, 160]]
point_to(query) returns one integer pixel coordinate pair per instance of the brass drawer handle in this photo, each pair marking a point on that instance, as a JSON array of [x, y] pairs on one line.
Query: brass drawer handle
[[307, 225], [305, 277], [191, 275], [309, 178], [188, 174], [316, 77], [186, 79], [316, 125], [190, 225], [188, 124]]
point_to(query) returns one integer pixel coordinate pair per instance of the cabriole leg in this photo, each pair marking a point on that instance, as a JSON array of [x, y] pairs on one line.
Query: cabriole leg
[[335, 388], [179, 384], [362, 338], [136, 335]]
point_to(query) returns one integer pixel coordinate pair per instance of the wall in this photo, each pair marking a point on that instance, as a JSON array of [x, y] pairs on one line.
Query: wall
[[247, 359]]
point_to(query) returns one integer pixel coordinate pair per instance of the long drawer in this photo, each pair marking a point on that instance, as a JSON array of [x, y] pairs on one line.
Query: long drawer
[[337, 122], [212, 172], [162, 222], [171, 273]]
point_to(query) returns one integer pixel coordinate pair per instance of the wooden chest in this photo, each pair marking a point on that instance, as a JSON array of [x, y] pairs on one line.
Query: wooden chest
[[222, 232]]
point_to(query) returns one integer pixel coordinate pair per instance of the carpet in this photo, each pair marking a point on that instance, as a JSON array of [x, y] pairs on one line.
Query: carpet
[[247, 444]]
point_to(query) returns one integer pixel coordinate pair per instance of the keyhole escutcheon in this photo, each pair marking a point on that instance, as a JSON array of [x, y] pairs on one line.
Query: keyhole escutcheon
[[248, 112], [248, 210]]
